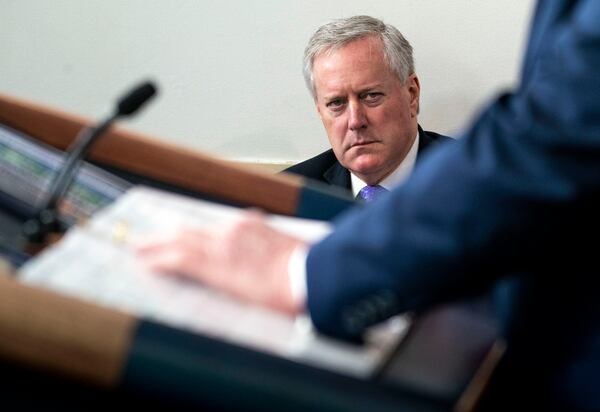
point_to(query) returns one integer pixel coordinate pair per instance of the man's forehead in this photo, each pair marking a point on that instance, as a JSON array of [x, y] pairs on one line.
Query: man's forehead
[[364, 55], [332, 89], [360, 66]]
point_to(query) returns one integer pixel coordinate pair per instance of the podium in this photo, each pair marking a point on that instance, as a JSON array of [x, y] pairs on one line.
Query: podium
[[65, 352]]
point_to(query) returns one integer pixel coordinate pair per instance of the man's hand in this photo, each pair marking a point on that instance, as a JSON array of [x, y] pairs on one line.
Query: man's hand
[[246, 258]]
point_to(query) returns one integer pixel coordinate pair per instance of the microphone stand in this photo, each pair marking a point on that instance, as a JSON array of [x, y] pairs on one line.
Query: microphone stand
[[46, 220]]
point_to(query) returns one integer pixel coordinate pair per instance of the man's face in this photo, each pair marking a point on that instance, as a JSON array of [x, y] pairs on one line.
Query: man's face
[[370, 116]]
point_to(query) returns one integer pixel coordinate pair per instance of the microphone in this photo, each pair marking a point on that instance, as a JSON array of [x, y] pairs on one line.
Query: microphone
[[46, 220]]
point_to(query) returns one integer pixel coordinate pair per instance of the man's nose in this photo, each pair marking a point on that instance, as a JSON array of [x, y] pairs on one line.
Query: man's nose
[[357, 116]]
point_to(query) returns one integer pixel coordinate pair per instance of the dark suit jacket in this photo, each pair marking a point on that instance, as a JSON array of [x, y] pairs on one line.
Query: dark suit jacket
[[513, 200], [326, 168]]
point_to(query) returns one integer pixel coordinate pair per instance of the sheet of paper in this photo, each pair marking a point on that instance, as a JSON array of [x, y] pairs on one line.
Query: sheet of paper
[[95, 262]]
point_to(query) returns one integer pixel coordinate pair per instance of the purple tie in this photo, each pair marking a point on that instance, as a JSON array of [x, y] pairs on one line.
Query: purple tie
[[370, 193]]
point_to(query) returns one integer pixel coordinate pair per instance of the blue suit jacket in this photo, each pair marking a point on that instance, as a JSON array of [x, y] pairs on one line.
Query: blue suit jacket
[[516, 200], [327, 169]]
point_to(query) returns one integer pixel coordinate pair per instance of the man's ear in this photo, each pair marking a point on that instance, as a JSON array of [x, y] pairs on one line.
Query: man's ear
[[414, 90]]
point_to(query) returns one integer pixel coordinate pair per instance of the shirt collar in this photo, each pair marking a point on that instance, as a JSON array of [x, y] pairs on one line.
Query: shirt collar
[[395, 178]]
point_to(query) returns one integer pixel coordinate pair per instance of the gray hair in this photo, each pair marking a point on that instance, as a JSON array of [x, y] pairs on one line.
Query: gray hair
[[332, 36]]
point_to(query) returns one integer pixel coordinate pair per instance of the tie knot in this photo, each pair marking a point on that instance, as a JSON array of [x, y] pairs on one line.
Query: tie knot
[[370, 193]]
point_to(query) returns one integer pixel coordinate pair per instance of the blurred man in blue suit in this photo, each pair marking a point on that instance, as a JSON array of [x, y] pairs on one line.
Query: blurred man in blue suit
[[520, 196]]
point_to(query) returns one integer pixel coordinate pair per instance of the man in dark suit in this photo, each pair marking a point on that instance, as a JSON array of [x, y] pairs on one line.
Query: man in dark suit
[[361, 75], [516, 199]]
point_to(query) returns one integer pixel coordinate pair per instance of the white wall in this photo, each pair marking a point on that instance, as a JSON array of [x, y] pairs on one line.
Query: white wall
[[230, 70]]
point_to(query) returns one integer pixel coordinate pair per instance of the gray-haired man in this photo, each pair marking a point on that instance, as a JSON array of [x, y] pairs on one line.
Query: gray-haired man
[[361, 74]]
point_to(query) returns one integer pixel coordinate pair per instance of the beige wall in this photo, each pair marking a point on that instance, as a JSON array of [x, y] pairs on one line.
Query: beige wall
[[230, 70]]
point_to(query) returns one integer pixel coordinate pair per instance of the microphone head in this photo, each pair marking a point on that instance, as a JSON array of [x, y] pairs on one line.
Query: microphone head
[[133, 100]]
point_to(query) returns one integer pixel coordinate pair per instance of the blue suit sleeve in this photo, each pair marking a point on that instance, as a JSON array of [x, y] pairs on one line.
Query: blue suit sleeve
[[492, 203]]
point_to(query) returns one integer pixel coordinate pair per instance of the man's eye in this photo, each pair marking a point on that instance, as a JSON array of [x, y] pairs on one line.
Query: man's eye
[[372, 97], [335, 104]]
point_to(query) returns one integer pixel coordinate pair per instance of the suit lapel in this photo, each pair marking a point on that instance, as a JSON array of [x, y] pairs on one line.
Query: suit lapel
[[424, 141], [338, 175]]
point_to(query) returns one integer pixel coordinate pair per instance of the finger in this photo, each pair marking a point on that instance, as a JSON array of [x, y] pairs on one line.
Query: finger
[[253, 214], [165, 259], [148, 244]]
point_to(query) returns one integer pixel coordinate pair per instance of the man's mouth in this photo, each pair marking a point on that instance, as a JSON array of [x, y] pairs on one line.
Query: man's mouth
[[362, 143]]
